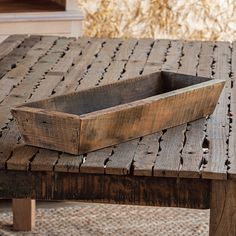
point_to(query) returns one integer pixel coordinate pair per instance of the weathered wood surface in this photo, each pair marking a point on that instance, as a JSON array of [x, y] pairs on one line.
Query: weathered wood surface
[[24, 214], [198, 149], [119, 189], [223, 207], [111, 114]]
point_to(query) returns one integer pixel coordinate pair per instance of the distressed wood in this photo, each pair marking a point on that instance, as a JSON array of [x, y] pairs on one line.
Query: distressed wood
[[232, 120], [22, 93], [222, 208], [53, 130], [23, 214], [117, 189], [136, 105], [11, 60], [169, 160], [14, 77], [196, 141], [10, 43], [73, 67], [218, 124]]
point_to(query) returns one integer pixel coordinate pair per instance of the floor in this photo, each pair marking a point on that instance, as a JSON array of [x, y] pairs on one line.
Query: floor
[[72, 218], [13, 6]]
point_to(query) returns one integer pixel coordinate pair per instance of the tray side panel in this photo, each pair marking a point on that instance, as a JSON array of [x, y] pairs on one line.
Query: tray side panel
[[146, 117], [48, 129]]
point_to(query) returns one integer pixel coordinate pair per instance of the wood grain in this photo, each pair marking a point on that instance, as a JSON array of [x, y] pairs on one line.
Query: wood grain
[[218, 123], [231, 115], [23, 214], [222, 208], [119, 189], [196, 140]]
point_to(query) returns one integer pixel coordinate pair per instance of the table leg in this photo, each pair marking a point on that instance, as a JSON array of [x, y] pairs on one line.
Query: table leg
[[223, 208], [23, 214]]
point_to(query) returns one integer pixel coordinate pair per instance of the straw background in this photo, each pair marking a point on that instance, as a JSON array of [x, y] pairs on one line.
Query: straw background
[[185, 19]]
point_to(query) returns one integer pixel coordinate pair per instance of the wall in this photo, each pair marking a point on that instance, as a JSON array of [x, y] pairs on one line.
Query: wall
[[186, 19]]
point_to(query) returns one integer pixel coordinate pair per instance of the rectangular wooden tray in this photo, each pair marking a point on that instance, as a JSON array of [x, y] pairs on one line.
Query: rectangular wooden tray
[[102, 116]]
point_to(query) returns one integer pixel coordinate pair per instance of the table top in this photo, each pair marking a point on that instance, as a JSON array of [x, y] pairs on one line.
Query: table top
[[36, 67]]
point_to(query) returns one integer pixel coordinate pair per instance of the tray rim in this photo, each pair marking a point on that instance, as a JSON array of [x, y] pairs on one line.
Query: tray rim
[[140, 102]]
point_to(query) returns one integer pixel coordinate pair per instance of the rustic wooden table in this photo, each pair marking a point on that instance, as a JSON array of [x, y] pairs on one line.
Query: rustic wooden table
[[192, 165]]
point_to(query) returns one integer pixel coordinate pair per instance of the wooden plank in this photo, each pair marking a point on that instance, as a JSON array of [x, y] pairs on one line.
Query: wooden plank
[[24, 211], [68, 163], [218, 123], [146, 153], [173, 56], [222, 208], [95, 162], [133, 68], [138, 59], [45, 158], [20, 158], [157, 56], [119, 189], [10, 61], [232, 120], [10, 43], [196, 145], [168, 160]]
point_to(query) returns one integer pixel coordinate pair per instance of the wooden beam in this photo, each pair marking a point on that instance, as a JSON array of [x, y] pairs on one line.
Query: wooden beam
[[134, 190], [23, 214], [223, 208]]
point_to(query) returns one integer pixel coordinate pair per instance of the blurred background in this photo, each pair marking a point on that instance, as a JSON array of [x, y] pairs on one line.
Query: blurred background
[[185, 19]]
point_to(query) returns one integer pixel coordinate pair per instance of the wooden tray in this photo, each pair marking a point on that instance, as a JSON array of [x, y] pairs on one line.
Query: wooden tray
[[98, 117]]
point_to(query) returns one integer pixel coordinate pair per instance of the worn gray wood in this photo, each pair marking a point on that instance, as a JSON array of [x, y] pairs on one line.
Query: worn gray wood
[[146, 153], [196, 144], [218, 123], [10, 43], [11, 60], [15, 76], [23, 92], [222, 208], [232, 119]]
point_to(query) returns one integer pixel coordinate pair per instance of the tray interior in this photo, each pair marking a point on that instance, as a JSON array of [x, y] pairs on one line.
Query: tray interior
[[119, 93]]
